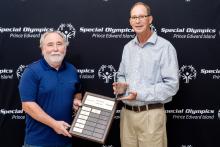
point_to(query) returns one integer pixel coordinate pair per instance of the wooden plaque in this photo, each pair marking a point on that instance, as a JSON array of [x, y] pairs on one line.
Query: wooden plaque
[[93, 120]]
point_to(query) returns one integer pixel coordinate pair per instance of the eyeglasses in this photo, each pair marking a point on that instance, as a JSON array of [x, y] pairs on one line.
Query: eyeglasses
[[141, 17]]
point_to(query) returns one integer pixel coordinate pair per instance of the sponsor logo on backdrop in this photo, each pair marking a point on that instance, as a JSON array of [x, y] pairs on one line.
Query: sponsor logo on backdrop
[[188, 145], [193, 114], [86, 73], [117, 114], [187, 73], [106, 73], [68, 30], [13, 113], [24, 32], [20, 71], [6, 73], [219, 114], [213, 73], [108, 32], [153, 28], [35, 32], [190, 33], [107, 145]]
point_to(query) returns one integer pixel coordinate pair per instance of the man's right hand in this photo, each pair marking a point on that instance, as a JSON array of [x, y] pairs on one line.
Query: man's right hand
[[119, 87], [37, 113], [61, 127]]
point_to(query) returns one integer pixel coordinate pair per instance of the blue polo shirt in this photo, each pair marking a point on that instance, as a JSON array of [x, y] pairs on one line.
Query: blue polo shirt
[[53, 91]]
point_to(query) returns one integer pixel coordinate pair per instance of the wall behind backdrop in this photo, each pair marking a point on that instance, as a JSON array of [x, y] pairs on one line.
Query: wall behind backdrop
[[97, 31]]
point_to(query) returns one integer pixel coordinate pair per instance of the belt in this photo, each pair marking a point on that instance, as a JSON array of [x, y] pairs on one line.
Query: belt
[[144, 107]]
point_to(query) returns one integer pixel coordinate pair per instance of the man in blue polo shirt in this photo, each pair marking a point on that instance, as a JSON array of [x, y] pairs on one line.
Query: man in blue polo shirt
[[49, 90]]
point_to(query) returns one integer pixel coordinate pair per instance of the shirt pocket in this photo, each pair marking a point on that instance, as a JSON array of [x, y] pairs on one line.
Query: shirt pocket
[[151, 70]]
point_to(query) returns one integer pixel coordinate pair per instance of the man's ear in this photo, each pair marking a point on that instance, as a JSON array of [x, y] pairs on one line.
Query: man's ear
[[130, 21], [150, 19]]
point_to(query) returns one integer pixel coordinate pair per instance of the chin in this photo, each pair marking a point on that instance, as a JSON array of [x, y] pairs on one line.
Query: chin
[[57, 61], [139, 32]]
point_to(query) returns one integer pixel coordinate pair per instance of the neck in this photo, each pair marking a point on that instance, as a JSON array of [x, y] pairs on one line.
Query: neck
[[142, 38], [56, 66]]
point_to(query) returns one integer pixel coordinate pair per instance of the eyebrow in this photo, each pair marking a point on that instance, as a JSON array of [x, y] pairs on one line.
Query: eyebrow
[[55, 42], [50, 43]]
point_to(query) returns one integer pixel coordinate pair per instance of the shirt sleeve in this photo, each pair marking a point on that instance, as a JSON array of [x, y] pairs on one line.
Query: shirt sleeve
[[169, 85], [121, 70], [28, 85]]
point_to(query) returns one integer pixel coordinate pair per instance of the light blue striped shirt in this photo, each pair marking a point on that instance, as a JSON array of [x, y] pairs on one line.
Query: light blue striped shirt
[[151, 70]]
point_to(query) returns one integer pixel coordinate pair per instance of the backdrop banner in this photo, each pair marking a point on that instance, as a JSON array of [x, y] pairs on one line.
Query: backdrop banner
[[97, 31]]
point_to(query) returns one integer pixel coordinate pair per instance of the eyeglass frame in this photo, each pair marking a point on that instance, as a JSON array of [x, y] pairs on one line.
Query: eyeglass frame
[[141, 17]]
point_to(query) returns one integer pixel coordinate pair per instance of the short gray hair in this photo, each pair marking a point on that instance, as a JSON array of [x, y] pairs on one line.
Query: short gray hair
[[43, 36], [143, 4]]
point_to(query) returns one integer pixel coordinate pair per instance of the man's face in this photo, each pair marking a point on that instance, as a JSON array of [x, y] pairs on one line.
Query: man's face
[[140, 20], [54, 49]]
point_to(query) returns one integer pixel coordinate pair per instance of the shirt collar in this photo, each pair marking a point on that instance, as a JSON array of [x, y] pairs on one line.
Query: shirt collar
[[152, 39], [46, 66]]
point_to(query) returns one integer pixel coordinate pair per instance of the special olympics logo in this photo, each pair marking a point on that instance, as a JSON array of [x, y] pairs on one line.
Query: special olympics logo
[[68, 30], [186, 145], [106, 72], [20, 71], [153, 28], [219, 114], [107, 145], [187, 73]]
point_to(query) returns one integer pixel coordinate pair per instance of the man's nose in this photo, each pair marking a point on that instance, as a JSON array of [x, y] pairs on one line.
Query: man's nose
[[137, 20], [55, 48]]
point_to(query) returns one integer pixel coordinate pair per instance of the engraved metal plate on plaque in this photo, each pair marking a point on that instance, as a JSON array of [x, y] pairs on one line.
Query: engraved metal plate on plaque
[[93, 120]]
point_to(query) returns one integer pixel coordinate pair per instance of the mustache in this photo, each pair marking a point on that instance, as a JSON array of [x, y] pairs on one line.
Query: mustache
[[55, 54]]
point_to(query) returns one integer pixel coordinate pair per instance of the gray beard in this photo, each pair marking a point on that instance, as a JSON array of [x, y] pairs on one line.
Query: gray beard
[[54, 59]]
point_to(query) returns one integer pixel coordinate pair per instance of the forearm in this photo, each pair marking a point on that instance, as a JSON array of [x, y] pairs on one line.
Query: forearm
[[158, 92], [167, 83], [121, 72], [37, 113]]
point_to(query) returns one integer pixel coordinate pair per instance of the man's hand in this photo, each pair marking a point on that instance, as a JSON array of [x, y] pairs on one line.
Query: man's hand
[[119, 87], [131, 96], [60, 127], [37, 113], [77, 102]]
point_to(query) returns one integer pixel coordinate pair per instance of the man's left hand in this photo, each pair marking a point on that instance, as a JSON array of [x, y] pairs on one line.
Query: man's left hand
[[131, 96], [76, 104]]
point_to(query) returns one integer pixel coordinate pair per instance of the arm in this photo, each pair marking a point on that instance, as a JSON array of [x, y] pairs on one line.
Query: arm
[[28, 87], [167, 86], [121, 70], [37, 113]]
